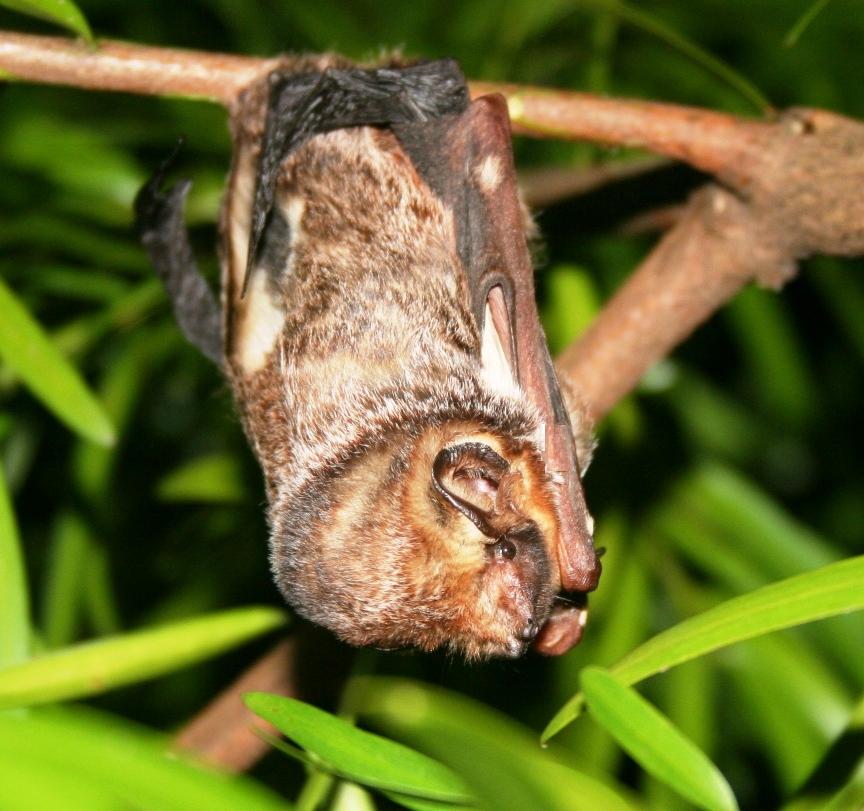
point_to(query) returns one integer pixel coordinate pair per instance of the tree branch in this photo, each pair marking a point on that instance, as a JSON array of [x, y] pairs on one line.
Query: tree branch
[[711, 253], [223, 733], [127, 67]]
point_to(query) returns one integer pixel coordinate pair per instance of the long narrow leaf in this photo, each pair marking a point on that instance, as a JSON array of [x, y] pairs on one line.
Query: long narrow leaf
[[826, 592], [62, 12], [803, 22], [14, 618], [65, 581], [652, 25], [95, 667], [654, 742], [498, 758], [356, 754], [25, 348], [105, 763]]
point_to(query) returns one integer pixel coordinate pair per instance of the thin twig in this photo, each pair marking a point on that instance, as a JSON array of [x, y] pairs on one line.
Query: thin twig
[[549, 185]]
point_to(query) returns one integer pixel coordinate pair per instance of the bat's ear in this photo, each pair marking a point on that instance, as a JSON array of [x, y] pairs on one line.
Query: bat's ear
[[467, 477]]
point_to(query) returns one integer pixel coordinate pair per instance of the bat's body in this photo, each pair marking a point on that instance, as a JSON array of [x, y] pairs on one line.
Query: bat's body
[[411, 500]]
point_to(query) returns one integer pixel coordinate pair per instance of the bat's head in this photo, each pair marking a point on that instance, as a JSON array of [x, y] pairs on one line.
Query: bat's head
[[483, 510]]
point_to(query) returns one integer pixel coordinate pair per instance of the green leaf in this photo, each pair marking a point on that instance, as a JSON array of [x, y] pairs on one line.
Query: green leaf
[[417, 804], [776, 359], [25, 348], [654, 742], [14, 617], [94, 667], [498, 758], [105, 764], [65, 581], [213, 478], [76, 158], [834, 589], [356, 754], [63, 12]]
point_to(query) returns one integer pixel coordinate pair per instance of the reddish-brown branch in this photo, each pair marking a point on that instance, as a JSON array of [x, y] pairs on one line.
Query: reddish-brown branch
[[716, 143], [713, 142], [222, 734], [128, 67], [712, 251]]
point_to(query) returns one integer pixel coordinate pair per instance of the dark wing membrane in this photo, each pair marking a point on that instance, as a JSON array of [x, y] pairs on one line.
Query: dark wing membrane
[[467, 160], [160, 225]]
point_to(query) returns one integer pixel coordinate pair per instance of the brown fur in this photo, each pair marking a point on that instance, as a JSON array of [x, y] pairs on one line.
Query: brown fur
[[353, 364]]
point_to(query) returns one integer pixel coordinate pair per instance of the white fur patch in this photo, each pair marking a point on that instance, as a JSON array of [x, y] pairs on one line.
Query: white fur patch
[[263, 312], [489, 173], [263, 319], [493, 360], [294, 214]]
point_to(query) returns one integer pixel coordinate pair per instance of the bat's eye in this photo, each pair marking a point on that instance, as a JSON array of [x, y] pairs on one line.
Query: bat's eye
[[504, 549]]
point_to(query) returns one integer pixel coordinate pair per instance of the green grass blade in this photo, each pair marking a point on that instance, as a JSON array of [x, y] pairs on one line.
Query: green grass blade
[[101, 611], [94, 667], [26, 348], [356, 754], [826, 592], [652, 25], [65, 581], [839, 774], [775, 357], [654, 742], [62, 12], [417, 804], [14, 612], [572, 302], [803, 22], [115, 765]]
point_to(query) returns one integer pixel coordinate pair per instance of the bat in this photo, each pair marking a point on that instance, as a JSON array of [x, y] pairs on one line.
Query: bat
[[379, 331]]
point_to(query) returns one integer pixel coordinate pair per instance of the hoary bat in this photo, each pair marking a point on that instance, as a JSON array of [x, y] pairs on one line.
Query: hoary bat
[[380, 335]]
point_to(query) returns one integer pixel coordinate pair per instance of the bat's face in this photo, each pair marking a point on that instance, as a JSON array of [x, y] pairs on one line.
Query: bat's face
[[485, 510], [441, 541]]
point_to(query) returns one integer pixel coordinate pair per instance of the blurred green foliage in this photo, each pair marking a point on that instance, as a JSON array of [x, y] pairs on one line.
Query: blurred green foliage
[[736, 464]]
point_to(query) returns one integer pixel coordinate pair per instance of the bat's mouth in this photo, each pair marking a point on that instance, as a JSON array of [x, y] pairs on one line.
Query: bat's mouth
[[564, 626]]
